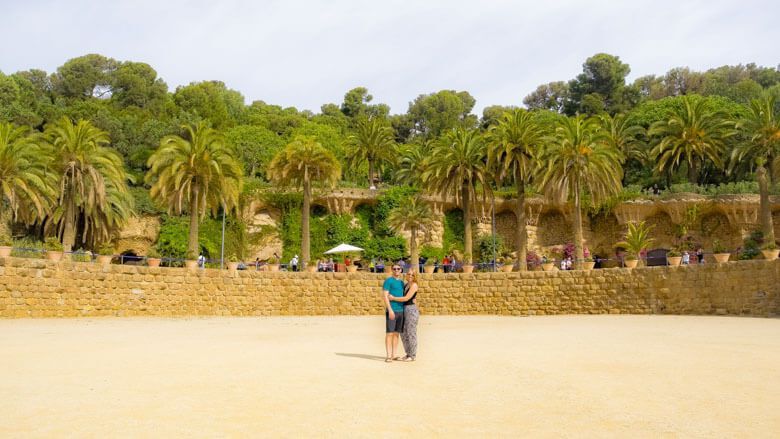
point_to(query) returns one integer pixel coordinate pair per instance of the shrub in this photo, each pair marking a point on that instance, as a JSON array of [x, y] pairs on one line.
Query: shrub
[[5, 239], [486, 246], [52, 244], [106, 250], [153, 253], [769, 246], [673, 253], [718, 247], [430, 252], [27, 248]]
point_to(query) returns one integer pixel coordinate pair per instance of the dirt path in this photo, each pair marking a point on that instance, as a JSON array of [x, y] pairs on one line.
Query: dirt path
[[645, 376]]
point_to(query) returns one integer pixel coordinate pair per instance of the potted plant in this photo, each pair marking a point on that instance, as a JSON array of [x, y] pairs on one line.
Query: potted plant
[[467, 266], [637, 239], [6, 244], [105, 254], [53, 248], [509, 264], [770, 251], [233, 262], [673, 257], [588, 263], [547, 263], [720, 253], [273, 263], [429, 266], [153, 257], [630, 260], [191, 260]]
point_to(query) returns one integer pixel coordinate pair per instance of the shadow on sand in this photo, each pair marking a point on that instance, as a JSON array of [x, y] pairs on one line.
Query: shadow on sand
[[363, 356]]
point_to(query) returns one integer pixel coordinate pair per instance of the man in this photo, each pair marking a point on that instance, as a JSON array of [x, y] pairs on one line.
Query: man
[[201, 261], [294, 263], [394, 314]]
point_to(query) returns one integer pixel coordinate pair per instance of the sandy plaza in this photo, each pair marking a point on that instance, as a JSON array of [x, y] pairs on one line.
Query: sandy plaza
[[563, 376]]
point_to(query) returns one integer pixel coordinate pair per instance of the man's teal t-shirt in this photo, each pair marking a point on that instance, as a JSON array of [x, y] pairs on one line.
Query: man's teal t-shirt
[[396, 288]]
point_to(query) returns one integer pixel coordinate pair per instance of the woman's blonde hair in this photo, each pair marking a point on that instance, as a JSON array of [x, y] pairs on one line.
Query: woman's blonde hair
[[413, 273]]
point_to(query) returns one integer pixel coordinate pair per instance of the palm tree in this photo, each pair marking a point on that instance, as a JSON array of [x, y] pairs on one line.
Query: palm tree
[[92, 184], [198, 173], [579, 160], [374, 142], [24, 183], [415, 216], [413, 159], [456, 167], [624, 136], [301, 162], [514, 147], [762, 127], [692, 134]]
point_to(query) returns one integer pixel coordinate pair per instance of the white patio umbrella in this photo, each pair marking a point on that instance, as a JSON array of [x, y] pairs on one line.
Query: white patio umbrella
[[344, 248]]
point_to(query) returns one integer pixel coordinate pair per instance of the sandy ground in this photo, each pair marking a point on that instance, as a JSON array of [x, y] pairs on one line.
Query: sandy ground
[[570, 376]]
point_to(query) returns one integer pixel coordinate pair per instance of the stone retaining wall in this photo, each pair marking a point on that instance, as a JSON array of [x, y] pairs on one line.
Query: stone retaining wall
[[38, 288]]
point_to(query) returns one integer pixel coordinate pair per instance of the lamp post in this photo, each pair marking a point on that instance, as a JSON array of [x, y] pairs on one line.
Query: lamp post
[[222, 251], [493, 228]]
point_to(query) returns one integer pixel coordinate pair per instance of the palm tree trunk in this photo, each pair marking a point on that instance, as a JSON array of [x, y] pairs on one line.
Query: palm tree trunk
[[766, 213], [692, 172], [415, 262], [305, 246], [370, 173], [579, 253], [521, 237], [69, 232], [192, 241], [467, 250]]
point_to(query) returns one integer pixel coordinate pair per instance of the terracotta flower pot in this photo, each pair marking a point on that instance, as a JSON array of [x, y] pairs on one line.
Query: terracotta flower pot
[[548, 266], [588, 265], [674, 261], [273, 267], [311, 268], [720, 258], [104, 259], [769, 255], [153, 262], [468, 268], [5, 251], [631, 263], [429, 269], [53, 255], [507, 268], [232, 266], [191, 264], [352, 268]]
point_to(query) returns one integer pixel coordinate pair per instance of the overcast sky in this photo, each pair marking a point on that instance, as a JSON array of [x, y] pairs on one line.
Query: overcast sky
[[306, 53]]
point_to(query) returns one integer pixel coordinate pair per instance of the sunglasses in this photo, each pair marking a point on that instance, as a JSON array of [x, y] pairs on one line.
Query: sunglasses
[[396, 268]]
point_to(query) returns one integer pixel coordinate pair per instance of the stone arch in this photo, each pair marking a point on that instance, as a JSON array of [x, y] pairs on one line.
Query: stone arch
[[606, 231], [663, 229], [130, 257], [317, 210], [554, 229], [715, 225], [506, 224]]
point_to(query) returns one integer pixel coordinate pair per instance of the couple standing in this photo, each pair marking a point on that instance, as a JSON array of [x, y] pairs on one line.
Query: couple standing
[[401, 313]]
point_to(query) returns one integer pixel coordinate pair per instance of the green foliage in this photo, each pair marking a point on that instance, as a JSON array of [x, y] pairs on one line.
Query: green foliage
[[5, 238], [174, 232], [430, 252], [453, 231], [486, 245], [385, 204], [637, 238], [143, 202], [52, 244], [389, 248], [752, 245]]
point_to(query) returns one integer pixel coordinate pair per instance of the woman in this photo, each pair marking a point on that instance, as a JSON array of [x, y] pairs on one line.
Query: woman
[[411, 315]]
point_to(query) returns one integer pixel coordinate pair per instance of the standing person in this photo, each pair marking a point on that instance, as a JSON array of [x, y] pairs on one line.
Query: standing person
[[201, 261], [700, 255], [411, 316], [257, 264], [294, 263], [686, 258], [445, 263], [394, 314]]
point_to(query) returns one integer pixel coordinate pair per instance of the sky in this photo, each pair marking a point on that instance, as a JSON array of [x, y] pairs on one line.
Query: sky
[[308, 53]]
